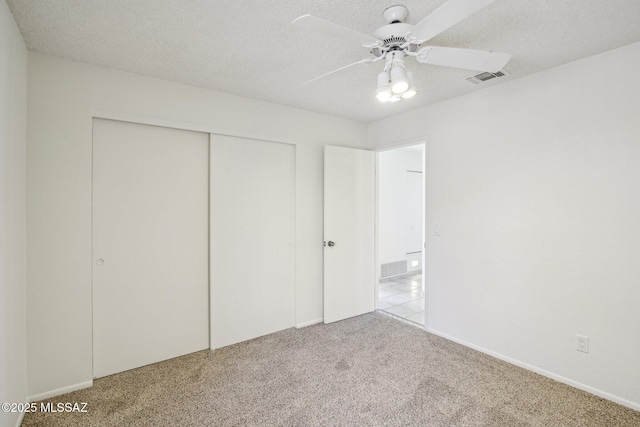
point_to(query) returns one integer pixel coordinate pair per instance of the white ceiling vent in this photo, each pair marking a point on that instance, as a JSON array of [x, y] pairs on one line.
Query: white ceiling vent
[[483, 77]]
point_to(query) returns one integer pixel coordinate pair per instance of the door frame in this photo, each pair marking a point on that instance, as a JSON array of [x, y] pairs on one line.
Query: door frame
[[425, 220]]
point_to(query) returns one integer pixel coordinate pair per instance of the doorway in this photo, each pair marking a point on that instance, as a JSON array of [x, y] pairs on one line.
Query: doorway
[[400, 238]]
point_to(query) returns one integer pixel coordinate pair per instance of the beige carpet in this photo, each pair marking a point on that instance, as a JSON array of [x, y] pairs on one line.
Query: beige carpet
[[366, 371]]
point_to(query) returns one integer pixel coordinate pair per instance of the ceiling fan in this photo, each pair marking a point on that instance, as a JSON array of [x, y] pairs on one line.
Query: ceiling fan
[[397, 41]]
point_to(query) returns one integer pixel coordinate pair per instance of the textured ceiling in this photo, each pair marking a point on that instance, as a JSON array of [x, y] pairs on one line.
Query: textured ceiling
[[250, 48]]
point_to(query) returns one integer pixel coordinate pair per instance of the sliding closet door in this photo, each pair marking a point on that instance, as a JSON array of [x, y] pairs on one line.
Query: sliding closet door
[[150, 244], [252, 236]]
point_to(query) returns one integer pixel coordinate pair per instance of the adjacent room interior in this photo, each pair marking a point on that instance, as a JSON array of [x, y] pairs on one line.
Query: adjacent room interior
[[400, 234], [310, 213]]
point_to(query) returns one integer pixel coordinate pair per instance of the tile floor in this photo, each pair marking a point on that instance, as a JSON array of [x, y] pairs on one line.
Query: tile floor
[[403, 297]]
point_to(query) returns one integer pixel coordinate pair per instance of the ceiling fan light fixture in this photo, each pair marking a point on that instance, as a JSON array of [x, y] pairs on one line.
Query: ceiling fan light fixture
[[399, 81], [383, 95], [383, 92], [399, 87], [409, 93], [411, 90], [398, 41]]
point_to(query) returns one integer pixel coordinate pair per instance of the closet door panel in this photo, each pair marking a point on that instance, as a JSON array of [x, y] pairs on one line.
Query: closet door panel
[[150, 244], [252, 238]]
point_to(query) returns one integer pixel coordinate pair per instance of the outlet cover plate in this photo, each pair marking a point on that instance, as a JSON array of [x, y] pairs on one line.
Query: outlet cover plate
[[583, 343]]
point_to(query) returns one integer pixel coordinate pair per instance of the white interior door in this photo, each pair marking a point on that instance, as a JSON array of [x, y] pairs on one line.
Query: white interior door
[[150, 244], [348, 232], [252, 236]]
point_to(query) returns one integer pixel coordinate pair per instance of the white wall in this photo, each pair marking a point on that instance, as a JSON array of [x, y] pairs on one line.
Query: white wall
[[62, 96], [13, 143], [536, 186], [394, 239]]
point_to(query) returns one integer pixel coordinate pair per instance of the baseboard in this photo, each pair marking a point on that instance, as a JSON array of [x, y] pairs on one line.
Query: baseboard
[[537, 370], [20, 418], [59, 391], [309, 323]]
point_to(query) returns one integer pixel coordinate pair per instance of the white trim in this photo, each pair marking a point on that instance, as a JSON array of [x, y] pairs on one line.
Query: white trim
[[543, 372], [20, 418], [401, 144], [376, 231], [309, 323], [426, 249], [294, 255], [143, 120], [209, 210], [59, 391]]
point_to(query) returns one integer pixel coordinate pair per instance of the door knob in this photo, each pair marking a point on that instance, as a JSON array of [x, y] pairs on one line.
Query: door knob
[[331, 243], [100, 261]]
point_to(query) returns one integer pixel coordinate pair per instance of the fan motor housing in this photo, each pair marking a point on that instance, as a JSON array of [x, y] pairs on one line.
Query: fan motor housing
[[393, 34]]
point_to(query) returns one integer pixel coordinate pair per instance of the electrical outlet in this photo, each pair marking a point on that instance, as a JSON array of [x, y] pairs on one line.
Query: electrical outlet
[[583, 343]]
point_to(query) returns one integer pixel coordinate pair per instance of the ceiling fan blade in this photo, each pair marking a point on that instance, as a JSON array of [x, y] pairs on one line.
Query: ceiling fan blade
[[479, 60], [363, 61], [320, 25], [446, 16]]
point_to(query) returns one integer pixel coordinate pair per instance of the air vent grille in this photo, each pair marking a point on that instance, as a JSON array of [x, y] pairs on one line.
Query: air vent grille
[[393, 269], [483, 77]]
